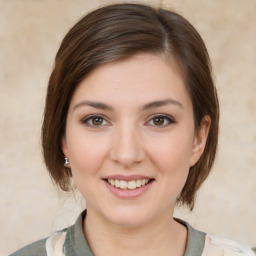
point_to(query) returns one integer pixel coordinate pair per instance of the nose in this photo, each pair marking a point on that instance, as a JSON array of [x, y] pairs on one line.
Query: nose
[[127, 147]]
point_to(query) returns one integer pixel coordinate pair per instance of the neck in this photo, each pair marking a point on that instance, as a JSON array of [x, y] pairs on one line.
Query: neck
[[163, 236]]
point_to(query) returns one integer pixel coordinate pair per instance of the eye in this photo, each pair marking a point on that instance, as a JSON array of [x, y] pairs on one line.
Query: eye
[[161, 120], [95, 121]]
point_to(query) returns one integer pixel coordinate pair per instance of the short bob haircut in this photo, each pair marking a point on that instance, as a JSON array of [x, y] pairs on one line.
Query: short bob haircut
[[117, 32]]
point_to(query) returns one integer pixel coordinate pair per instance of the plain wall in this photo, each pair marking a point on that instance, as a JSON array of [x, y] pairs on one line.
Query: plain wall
[[30, 33]]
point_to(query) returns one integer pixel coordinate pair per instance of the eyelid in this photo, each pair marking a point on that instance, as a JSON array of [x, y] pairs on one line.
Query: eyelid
[[167, 117], [171, 120], [87, 118]]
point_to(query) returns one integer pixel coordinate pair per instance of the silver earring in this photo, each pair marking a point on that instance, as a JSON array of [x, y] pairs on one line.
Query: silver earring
[[66, 161]]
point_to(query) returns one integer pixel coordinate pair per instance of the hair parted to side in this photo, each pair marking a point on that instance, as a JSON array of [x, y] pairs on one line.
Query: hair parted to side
[[116, 32]]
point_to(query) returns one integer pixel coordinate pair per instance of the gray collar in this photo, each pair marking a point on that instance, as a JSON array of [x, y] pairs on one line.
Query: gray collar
[[76, 244]]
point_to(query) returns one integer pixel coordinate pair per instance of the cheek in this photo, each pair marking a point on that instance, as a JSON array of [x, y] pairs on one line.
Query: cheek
[[171, 151], [171, 158], [86, 153]]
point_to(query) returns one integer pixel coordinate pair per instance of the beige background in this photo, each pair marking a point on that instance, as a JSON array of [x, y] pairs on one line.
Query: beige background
[[30, 33]]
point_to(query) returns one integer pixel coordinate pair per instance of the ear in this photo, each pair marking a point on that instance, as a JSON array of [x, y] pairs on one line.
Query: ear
[[200, 140], [65, 148]]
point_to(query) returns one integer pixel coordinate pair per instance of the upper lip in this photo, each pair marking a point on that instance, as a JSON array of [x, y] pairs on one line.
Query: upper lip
[[127, 178]]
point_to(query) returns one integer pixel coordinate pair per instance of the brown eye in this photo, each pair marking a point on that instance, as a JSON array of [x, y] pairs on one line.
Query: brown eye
[[158, 121], [161, 121], [97, 121]]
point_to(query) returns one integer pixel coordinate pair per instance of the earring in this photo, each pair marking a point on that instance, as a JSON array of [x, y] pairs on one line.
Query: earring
[[66, 162]]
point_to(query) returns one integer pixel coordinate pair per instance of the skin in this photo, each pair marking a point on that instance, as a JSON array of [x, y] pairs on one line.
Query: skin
[[128, 139]]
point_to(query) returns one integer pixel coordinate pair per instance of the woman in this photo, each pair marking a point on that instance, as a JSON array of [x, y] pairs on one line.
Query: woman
[[132, 113]]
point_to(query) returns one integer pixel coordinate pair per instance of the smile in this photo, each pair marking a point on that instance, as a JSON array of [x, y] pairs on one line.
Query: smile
[[132, 184], [128, 187]]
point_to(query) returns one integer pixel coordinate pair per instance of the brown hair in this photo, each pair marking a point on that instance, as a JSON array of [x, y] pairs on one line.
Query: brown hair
[[117, 32]]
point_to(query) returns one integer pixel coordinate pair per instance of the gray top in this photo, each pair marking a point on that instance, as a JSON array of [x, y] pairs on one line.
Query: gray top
[[76, 244]]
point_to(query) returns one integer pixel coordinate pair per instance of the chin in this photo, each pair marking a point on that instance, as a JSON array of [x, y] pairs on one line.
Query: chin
[[128, 217]]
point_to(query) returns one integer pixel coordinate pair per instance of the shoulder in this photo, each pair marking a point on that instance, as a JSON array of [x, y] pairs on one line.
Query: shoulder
[[215, 245], [36, 248], [56, 243], [52, 245], [200, 243]]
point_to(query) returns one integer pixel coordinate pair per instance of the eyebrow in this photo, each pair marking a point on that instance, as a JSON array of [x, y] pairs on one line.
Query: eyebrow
[[154, 104], [98, 105], [161, 103]]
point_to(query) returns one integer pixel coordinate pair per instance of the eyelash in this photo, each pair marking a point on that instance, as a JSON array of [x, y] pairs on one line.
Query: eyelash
[[170, 120], [165, 117], [90, 118]]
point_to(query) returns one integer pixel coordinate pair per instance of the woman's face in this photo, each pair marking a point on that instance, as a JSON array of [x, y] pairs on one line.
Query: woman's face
[[130, 139]]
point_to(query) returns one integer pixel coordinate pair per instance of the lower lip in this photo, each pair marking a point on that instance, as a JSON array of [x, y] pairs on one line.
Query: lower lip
[[129, 193]]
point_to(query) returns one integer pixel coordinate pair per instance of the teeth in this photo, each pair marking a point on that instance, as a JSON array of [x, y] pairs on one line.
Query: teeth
[[138, 183], [132, 184], [117, 183], [123, 184]]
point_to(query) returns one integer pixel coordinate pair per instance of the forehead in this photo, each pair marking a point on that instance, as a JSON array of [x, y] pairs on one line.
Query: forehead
[[142, 77]]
